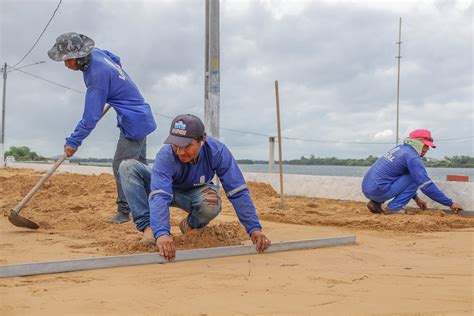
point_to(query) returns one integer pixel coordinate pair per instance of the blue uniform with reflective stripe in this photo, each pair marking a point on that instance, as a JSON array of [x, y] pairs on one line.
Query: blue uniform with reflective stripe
[[399, 161], [214, 159], [107, 82]]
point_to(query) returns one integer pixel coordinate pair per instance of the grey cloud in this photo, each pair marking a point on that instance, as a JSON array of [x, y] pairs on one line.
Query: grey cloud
[[335, 64]]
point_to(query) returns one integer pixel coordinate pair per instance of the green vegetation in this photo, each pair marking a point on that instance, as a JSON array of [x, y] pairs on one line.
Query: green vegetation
[[447, 162], [332, 161], [452, 162], [23, 154]]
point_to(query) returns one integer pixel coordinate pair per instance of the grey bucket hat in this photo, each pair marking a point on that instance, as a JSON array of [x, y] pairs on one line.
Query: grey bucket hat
[[71, 45]]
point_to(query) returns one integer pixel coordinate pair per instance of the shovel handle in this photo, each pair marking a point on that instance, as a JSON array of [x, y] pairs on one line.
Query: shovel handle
[[16, 210], [38, 185]]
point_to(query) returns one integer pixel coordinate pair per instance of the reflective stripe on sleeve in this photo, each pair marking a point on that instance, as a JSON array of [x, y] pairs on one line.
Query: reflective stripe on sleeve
[[158, 192], [236, 190]]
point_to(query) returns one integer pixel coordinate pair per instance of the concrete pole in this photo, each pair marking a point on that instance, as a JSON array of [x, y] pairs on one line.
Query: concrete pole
[[271, 156], [206, 59], [212, 98], [398, 80], [280, 158], [2, 135]]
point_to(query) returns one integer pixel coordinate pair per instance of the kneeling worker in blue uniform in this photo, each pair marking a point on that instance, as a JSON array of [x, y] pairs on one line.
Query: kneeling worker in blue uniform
[[181, 177], [399, 174]]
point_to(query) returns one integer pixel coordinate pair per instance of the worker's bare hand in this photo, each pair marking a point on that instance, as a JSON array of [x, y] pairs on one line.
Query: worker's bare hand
[[260, 240], [456, 207], [69, 151], [421, 204], [167, 247]]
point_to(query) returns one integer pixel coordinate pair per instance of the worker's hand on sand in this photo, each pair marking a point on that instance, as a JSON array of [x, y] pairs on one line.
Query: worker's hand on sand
[[456, 207], [260, 240], [167, 247], [421, 204], [69, 151]]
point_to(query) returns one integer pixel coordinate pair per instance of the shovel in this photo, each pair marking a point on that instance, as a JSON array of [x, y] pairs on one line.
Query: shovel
[[15, 218]]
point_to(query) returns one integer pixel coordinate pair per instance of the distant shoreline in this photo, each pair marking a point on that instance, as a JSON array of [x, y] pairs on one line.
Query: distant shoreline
[[109, 163]]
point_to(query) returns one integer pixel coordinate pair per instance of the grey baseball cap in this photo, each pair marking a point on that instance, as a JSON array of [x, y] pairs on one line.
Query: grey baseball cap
[[184, 129], [71, 45]]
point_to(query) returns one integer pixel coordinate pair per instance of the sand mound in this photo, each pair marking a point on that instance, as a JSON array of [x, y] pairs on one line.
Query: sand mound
[[79, 206], [312, 211]]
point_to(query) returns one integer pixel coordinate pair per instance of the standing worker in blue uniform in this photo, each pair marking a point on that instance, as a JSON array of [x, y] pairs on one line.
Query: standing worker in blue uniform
[[182, 177], [399, 174], [106, 82]]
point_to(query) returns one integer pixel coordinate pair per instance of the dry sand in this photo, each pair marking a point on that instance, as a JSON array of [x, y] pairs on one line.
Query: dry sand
[[418, 264]]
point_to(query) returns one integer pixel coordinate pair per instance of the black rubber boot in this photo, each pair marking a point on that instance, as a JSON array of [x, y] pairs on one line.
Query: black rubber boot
[[375, 207], [119, 218]]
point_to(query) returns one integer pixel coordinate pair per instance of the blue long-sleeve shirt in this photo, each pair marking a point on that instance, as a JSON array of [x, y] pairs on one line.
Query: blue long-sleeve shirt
[[214, 158], [107, 82], [400, 161]]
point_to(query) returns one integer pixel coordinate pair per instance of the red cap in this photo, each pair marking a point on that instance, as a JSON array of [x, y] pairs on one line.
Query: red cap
[[424, 135]]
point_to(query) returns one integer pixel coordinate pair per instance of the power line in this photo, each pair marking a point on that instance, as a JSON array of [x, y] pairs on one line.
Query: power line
[[453, 139], [52, 82], [39, 37], [255, 133], [163, 115], [244, 132], [39, 62], [336, 141]]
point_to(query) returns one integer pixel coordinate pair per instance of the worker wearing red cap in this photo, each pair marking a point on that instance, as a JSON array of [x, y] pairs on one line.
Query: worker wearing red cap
[[399, 174]]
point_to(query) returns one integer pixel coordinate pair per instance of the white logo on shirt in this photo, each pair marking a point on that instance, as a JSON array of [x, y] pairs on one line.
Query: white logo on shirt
[[389, 156], [119, 69]]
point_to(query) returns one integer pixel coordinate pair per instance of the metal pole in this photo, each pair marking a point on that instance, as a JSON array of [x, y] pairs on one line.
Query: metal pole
[[280, 158], [271, 155], [38, 268], [398, 81], [212, 104], [2, 135], [206, 59]]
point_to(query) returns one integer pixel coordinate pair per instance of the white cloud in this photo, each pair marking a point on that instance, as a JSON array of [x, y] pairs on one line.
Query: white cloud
[[384, 135], [175, 81], [281, 8]]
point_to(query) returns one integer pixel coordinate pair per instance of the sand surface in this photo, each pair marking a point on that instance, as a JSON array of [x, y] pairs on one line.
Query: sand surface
[[402, 264]]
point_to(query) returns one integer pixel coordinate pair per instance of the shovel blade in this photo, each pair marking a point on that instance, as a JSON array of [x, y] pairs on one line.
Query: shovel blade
[[20, 221]]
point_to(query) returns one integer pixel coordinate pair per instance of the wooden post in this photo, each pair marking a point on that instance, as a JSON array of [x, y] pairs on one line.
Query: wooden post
[[280, 158], [271, 154]]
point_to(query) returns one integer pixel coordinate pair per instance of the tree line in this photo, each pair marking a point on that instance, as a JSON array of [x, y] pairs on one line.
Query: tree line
[[24, 153], [447, 162]]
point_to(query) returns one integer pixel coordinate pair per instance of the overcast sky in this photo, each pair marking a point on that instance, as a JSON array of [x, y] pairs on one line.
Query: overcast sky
[[335, 62]]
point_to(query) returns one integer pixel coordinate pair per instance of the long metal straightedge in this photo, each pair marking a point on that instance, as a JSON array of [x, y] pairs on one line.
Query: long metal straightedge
[[460, 213], [25, 269]]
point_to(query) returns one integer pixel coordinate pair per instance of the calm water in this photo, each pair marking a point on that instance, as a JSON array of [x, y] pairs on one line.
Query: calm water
[[350, 171]]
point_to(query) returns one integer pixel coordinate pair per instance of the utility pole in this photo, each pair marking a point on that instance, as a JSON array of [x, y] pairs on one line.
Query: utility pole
[[212, 71], [2, 135], [5, 70], [398, 81]]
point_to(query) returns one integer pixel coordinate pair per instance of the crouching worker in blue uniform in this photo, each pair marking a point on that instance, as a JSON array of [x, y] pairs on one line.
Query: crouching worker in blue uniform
[[106, 82], [181, 177], [399, 174]]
